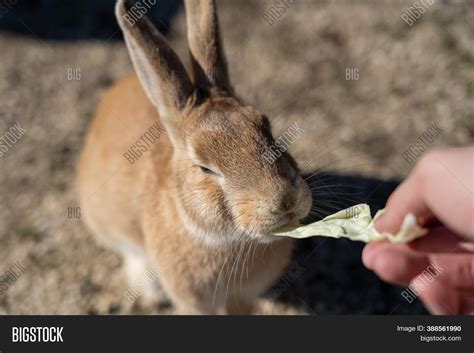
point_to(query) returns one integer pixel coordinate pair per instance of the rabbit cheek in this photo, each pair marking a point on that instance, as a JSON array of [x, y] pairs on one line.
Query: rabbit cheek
[[251, 216], [203, 201]]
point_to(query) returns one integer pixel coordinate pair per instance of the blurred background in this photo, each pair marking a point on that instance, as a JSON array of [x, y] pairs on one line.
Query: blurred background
[[363, 78]]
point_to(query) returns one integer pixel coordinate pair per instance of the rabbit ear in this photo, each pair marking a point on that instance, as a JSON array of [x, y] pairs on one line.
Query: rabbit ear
[[159, 69], [207, 55]]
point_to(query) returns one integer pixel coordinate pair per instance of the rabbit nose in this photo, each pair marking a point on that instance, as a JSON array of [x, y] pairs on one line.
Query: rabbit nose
[[284, 206]]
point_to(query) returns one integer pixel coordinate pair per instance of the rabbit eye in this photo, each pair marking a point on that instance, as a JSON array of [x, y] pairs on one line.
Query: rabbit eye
[[206, 170]]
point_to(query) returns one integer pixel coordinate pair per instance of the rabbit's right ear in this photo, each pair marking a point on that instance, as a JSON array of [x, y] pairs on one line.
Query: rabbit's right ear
[[159, 69], [204, 39]]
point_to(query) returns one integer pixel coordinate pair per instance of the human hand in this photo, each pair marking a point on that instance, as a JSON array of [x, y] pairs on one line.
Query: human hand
[[439, 267]]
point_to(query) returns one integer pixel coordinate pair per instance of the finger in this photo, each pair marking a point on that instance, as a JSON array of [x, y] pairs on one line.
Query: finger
[[467, 306], [399, 264], [394, 263], [456, 270], [368, 253], [407, 198], [438, 298], [372, 250], [440, 240], [444, 283]]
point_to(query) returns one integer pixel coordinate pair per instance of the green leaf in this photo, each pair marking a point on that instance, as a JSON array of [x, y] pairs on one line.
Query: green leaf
[[354, 223]]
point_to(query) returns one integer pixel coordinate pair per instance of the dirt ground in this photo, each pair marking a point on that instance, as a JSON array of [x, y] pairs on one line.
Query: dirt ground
[[404, 78]]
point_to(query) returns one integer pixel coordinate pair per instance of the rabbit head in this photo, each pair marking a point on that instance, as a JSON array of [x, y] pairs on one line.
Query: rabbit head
[[226, 187]]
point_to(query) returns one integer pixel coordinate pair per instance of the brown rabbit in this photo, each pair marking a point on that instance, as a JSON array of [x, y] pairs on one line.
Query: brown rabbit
[[201, 200]]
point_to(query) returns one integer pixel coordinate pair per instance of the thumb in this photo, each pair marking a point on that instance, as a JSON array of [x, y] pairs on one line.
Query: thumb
[[407, 198]]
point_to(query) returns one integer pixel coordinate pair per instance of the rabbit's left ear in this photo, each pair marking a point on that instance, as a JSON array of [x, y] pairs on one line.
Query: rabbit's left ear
[[159, 69], [207, 55]]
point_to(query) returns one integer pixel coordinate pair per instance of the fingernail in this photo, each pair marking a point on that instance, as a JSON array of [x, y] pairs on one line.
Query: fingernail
[[387, 223], [378, 222]]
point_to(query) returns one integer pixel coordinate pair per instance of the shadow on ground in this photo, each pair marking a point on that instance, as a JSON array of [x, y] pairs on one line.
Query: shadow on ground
[[73, 19]]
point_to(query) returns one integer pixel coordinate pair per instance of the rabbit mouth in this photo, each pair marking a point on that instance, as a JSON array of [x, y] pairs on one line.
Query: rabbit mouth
[[288, 218]]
